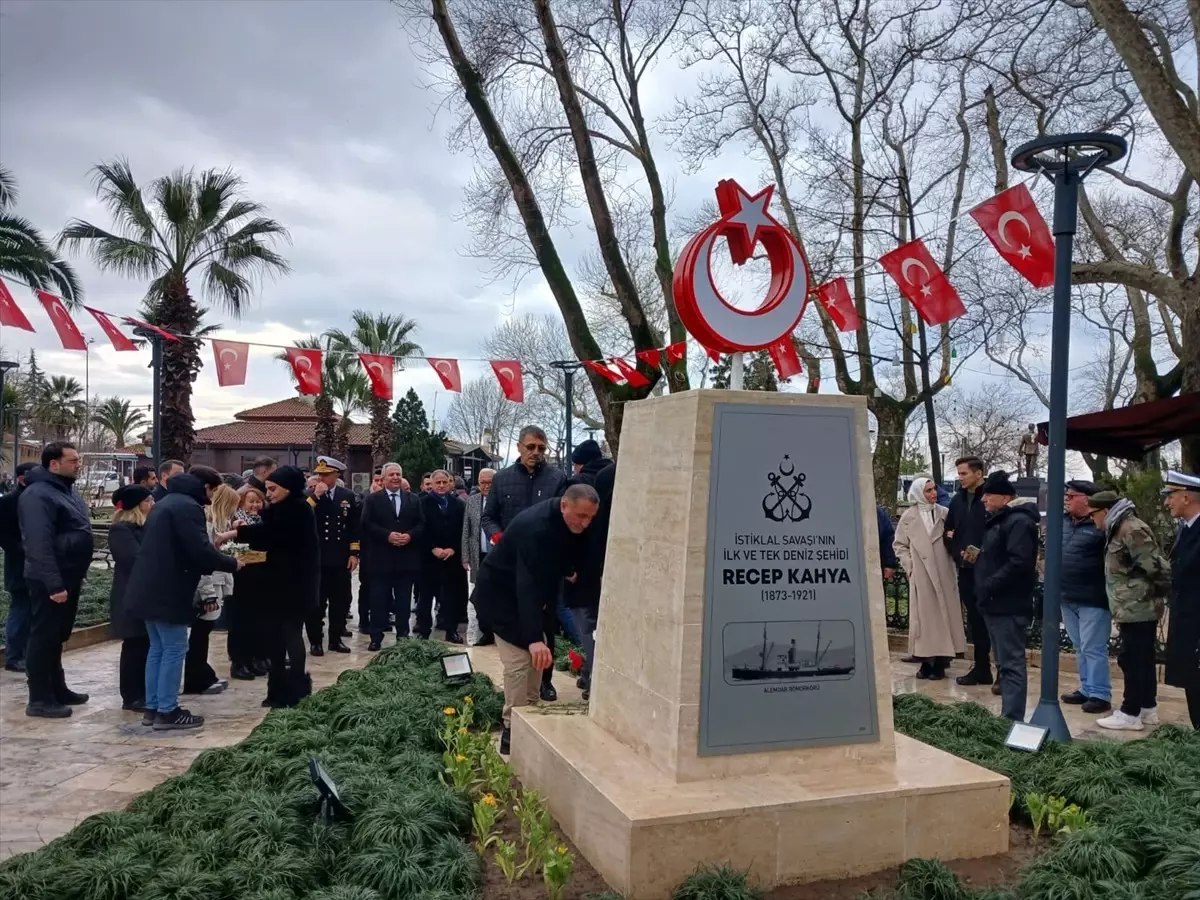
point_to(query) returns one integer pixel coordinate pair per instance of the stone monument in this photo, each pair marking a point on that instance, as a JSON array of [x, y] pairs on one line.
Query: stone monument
[[741, 697]]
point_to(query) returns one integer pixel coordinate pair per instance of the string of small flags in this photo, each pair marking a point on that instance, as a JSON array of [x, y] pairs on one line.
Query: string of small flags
[[913, 268]]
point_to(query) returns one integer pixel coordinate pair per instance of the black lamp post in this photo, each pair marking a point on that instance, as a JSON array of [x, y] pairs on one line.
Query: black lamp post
[[1066, 160], [568, 367]]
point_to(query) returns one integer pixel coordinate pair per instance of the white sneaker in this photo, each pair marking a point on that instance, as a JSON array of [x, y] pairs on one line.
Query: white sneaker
[[1149, 716], [1120, 721]]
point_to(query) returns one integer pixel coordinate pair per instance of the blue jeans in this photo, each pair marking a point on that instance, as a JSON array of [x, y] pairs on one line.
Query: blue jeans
[[1089, 628], [164, 665], [16, 627]]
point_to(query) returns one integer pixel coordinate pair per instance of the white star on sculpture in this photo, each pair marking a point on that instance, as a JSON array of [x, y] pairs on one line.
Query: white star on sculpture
[[752, 213]]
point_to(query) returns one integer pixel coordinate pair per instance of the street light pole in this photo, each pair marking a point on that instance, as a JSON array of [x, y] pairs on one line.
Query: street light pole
[[568, 367], [1065, 160]]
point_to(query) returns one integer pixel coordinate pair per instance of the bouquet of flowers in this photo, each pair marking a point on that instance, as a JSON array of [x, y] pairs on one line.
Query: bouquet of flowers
[[244, 553]]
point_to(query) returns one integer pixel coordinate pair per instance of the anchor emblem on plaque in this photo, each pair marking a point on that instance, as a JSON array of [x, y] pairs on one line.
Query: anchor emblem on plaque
[[785, 501]]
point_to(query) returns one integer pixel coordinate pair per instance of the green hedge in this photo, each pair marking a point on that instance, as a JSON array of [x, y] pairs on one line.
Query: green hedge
[[241, 823], [1142, 799]]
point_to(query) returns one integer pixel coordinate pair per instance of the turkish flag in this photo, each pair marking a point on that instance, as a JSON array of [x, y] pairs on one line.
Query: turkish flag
[[629, 372], [676, 353], [68, 331], [166, 335], [508, 373], [783, 354], [231, 358], [712, 354], [923, 282], [1030, 248], [380, 369], [447, 370], [10, 313], [651, 358], [835, 297], [604, 370], [119, 340], [306, 366]]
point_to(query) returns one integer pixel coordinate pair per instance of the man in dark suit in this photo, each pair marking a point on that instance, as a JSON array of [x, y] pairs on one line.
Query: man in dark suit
[[393, 527], [17, 626], [166, 470], [338, 520], [442, 574]]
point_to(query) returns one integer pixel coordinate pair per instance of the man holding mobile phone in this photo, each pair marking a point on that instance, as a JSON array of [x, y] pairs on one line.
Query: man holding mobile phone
[[963, 537]]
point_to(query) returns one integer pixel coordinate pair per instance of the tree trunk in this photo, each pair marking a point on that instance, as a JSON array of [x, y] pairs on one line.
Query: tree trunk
[[890, 419], [341, 440], [381, 431], [180, 365], [323, 431], [1189, 335]]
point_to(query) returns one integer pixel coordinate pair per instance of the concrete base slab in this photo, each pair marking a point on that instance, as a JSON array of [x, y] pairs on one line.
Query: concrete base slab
[[645, 832]]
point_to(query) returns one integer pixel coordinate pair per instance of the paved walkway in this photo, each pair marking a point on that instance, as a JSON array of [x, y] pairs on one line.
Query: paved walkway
[[55, 773]]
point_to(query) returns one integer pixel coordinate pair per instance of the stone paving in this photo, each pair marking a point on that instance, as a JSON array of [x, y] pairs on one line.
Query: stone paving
[[55, 773]]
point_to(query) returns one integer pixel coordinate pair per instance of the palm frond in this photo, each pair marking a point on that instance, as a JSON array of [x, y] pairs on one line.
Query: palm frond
[[215, 190], [119, 191], [8, 189], [26, 255], [111, 252]]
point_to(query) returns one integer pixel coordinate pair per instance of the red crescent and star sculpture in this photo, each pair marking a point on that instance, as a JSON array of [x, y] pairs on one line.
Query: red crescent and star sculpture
[[745, 223]]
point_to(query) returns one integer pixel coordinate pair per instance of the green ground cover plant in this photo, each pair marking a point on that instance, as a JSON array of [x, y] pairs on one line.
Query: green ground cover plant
[[241, 824]]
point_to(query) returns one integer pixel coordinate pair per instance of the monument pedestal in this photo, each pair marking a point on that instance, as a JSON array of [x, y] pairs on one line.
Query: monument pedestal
[[735, 712]]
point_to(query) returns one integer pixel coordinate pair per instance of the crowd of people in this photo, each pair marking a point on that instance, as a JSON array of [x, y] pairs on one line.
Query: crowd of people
[[981, 550], [271, 556]]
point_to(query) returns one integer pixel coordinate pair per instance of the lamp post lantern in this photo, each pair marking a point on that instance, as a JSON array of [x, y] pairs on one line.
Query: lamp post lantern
[[1066, 160], [568, 367]]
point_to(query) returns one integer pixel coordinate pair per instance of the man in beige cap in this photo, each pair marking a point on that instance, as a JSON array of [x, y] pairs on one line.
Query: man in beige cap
[[1136, 578]]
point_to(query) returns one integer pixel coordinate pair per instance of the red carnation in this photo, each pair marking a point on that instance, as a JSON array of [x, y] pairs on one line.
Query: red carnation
[[496, 538], [576, 660]]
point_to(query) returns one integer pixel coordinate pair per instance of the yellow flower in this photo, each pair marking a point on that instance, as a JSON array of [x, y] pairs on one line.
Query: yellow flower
[[562, 851], [460, 758], [488, 800], [450, 711], [468, 700]]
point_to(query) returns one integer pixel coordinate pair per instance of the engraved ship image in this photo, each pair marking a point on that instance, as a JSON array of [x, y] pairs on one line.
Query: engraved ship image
[[789, 664]]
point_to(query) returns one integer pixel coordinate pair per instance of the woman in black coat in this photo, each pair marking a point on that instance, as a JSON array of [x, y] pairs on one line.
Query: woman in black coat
[[132, 504], [288, 534]]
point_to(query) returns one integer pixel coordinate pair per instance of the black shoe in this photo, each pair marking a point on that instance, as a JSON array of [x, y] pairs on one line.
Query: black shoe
[[338, 647], [18, 666], [52, 710], [420, 637], [134, 705], [505, 738], [909, 659], [242, 673], [996, 689], [486, 640], [587, 695], [71, 698], [317, 650], [973, 678], [346, 632], [178, 719], [1096, 705], [374, 646], [936, 675], [1075, 698], [453, 637], [548, 693], [582, 682], [260, 667], [148, 718]]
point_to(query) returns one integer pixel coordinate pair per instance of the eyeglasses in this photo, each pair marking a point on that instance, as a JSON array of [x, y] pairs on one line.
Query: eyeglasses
[[532, 448]]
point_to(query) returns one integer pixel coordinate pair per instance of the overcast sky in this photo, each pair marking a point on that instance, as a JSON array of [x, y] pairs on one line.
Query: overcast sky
[[319, 106]]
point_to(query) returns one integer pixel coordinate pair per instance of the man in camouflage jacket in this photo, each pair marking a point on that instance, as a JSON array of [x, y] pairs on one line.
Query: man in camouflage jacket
[[1137, 578]]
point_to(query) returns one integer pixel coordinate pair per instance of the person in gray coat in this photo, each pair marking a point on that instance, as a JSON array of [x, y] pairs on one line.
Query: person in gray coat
[[475, 547], [131, 505]]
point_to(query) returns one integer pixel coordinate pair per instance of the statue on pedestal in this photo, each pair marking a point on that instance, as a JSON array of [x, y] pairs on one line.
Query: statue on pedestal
[[1029, 451]]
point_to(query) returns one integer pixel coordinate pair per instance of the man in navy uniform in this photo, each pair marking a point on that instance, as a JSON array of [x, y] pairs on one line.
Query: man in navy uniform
[[338, 516], [1182, 497]]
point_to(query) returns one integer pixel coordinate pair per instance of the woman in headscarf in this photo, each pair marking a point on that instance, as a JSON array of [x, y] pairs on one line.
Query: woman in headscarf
[[132, 504], [288, 534], [245, 644], [935, 625]]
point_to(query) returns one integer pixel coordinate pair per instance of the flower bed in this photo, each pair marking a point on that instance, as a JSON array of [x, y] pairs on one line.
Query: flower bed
[[241, 824]]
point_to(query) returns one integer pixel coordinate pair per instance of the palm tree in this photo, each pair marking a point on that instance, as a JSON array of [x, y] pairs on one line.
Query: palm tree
[[61, 405], [24, 253], [117, 417], [324, 433], [350, 392], [385, 334], [191, 225]]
